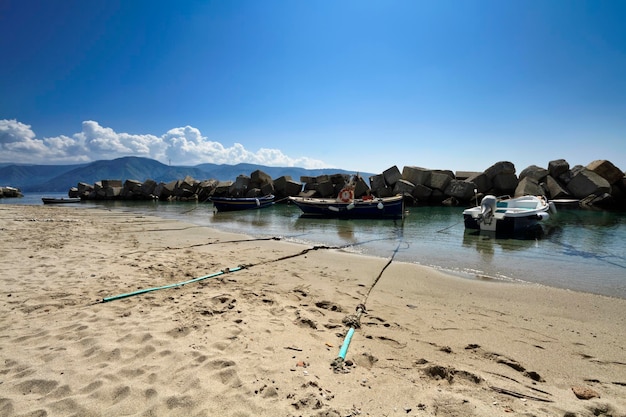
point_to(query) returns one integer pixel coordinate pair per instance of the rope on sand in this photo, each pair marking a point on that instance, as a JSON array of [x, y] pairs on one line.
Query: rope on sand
[[354, 321], [213, 275]]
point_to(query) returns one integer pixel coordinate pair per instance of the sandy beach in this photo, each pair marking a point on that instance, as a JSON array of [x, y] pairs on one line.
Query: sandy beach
[[260, 335]]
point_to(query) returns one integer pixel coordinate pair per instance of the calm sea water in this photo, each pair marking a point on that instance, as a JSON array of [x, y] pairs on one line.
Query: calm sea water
[[581, 250]]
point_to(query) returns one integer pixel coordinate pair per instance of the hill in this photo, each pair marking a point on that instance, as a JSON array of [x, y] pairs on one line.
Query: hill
[[59, 178]]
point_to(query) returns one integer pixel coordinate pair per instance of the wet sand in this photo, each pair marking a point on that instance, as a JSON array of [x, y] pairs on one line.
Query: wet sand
[[261, 340]]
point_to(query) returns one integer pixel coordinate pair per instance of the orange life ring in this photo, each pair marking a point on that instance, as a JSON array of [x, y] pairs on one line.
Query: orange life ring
[[346, 195]]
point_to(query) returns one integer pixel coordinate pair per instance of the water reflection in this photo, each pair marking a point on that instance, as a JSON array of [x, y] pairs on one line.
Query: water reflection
[[341, 232], [486, 243], [346, 232], [254, 219]]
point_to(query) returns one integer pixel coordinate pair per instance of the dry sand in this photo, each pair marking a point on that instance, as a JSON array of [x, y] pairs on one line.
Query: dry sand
[[260, 341]]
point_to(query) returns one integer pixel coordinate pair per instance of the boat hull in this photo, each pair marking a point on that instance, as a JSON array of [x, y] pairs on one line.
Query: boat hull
[[243, 203], [54, 200], [520, 216], [377, 208], [508, 226]]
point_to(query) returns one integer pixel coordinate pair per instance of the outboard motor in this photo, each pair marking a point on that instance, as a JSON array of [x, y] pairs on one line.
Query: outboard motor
[[487, 208]]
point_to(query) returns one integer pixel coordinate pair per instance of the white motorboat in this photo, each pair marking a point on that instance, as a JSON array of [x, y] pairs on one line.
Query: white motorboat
[[507, 215]]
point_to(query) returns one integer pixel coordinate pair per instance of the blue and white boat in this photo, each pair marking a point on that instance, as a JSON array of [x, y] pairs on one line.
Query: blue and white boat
[[508, 215]]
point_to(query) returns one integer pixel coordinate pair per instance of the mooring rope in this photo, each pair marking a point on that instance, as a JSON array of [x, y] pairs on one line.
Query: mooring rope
[[215, 274], [197, 205], [446, 228], [354, 321]]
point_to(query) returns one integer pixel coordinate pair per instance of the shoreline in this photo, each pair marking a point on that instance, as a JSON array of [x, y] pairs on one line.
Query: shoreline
[[260, 341], [581, 267]]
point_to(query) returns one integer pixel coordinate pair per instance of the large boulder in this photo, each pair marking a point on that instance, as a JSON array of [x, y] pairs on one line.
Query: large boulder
[[422, 193], [558, 167], [416, 175], [222, 188], [340, 179], [292, 187], [618, 194], [505, 183], [285, 187], [187, 188], [147, 187], [240, 187], [379, 187], [500, 168], [305, 179], [259, 178], [461, 190], [403, 187], [267, 188], [554, 189], [111, 183], [383, 192], [361, 188], [112, 193], [392, 175], [437, 197], [281, 182], [438, 180], [586, 182], [481, 181], [606, 170], [533, 171], [326, 189], [205, 189], [84, 188], [463, 175], [528, 186]]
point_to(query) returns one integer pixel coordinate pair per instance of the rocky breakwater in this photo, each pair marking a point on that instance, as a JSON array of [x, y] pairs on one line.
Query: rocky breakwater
[[256, 184], [599, 184]]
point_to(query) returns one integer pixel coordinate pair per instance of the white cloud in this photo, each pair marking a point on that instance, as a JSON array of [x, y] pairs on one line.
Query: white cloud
[[18, 143], [180, 146]]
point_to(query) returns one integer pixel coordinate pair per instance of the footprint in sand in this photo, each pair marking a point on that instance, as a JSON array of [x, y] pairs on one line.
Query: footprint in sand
[[37, 386], [93, 386], [225, 371], [512, 363]]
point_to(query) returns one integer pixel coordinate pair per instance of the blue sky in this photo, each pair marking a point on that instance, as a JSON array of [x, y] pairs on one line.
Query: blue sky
[[359, 85]]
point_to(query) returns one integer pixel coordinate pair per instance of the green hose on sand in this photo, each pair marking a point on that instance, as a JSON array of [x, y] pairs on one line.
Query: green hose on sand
[[178, 284]]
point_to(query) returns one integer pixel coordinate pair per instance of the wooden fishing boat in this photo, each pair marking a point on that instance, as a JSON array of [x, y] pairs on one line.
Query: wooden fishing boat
[[508, 215], [346, 206], [242, 203], [372, 208], [60, 200]]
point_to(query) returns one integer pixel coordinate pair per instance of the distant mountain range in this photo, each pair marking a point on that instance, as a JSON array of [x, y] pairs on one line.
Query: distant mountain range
[[59, 178]]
